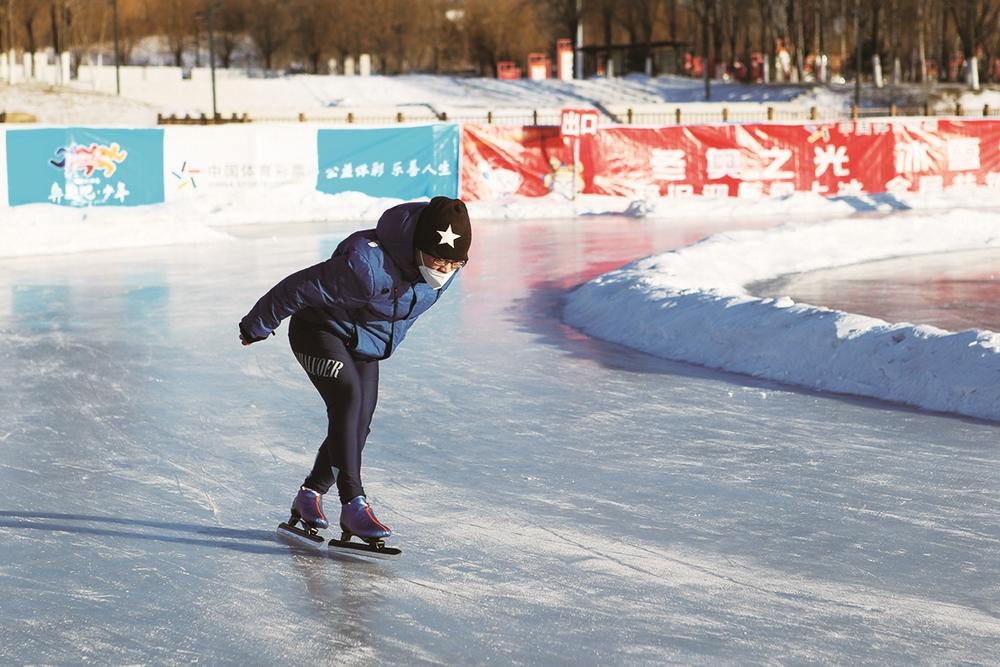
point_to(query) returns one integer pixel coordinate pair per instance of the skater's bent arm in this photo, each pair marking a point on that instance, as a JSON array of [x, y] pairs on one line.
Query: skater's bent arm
[[344, 281]]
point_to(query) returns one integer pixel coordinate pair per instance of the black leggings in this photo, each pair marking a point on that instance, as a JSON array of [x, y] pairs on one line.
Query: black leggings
[[349, 388]]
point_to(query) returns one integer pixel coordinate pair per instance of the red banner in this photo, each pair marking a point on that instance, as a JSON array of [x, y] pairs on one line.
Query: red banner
[[530, 161], [748, 161]]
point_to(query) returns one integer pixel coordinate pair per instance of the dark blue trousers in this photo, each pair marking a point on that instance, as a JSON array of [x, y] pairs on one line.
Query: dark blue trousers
[[349, 388]]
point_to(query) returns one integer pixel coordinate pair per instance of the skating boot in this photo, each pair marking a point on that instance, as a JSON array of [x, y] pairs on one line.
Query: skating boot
[[357, 518], [307, 509]]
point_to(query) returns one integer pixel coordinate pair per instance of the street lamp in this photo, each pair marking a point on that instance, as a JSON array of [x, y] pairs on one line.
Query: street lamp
[[857, 57], [118, 78], [208, 15]]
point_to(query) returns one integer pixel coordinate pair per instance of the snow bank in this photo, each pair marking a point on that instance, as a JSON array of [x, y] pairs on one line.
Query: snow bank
[[47, 229], [43, 229], [692, 305]]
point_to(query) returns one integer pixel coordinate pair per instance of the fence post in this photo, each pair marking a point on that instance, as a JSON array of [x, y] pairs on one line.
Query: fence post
[[958, 108], [399, 116], [3, 116], [812, 113], [629, 115], [927, 108], [187, 119], [770, 113], [677, 115], [246, 117], [534, 117], [159, 118], [444, 116], [203, 119], [892, 110], [302, 117], [725, 115], [234, 118], [855, 112], [350, 116], [986, 110]]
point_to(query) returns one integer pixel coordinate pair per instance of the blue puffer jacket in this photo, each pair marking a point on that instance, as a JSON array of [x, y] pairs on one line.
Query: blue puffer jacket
[[368, 293]]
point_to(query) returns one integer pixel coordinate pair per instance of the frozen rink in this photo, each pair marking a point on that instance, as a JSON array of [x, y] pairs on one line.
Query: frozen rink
[[559, 500], [954, 291]]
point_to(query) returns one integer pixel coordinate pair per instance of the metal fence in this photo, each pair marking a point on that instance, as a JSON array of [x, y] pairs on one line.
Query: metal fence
[[548, 117]]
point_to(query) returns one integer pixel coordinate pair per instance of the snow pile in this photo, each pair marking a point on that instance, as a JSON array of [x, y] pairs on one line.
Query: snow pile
[[40, 229], [63, 106], [44, 229], [692, 305]]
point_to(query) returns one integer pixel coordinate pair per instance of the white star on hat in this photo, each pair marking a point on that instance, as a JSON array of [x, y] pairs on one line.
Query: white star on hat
[[448, 236]]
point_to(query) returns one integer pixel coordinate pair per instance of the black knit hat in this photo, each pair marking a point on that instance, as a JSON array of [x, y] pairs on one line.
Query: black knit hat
[[444, 230]]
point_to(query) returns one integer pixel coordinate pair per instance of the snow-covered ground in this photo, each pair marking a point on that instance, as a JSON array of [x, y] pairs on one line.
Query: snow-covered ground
[[41, 229], [423, 97], [693, 305]]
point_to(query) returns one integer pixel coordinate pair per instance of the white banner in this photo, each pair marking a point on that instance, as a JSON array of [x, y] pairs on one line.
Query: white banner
[[201, 160]]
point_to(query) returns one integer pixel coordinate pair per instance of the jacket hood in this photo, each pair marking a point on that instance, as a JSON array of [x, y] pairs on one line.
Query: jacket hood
[[395, 231]]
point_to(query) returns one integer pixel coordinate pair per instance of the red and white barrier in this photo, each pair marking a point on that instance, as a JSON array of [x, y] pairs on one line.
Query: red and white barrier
[[751, 161]]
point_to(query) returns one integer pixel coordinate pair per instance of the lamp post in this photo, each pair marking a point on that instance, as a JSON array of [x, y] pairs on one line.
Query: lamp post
[[10, 42], [208, 15], [857, 58], [578, 55], [118, 78]]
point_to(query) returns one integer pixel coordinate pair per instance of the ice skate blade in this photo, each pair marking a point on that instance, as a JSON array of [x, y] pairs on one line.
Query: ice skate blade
[[296, 536], [362, 550]]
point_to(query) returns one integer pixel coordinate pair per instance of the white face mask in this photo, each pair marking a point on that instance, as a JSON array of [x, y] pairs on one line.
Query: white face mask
[[435, 279]]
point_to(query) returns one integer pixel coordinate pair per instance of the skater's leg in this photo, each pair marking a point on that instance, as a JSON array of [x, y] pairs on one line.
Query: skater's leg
[[334, 373], [368, 371], [339, 457]]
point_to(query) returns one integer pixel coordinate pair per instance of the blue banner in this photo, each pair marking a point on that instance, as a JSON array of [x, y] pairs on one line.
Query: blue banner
[[405, 162], [77, 166]]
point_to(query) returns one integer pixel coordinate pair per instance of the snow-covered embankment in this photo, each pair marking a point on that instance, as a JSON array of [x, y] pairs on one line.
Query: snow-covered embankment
[[692, 305]]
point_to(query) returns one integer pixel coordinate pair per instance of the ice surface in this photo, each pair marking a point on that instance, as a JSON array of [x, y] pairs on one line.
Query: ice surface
[[559, 500], [953, 291]]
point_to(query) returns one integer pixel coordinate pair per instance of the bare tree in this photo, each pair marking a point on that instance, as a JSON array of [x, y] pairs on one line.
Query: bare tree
[[438, 35], [313, 20], [30, 13], [498, 30], [973, 20], [231, 20], [269, 26], [638, 18]]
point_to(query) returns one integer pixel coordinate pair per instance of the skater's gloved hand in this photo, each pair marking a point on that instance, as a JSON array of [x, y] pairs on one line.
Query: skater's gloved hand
[[246, 338]]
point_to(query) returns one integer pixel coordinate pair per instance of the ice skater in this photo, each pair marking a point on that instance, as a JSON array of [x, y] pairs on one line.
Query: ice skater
[[347, 314]]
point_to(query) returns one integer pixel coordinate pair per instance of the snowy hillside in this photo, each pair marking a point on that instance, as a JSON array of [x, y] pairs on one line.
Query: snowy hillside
[[427, 97]]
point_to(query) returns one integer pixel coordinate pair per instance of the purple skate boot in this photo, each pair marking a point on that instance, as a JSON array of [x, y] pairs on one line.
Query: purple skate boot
[[357, 518], [307, 509]]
